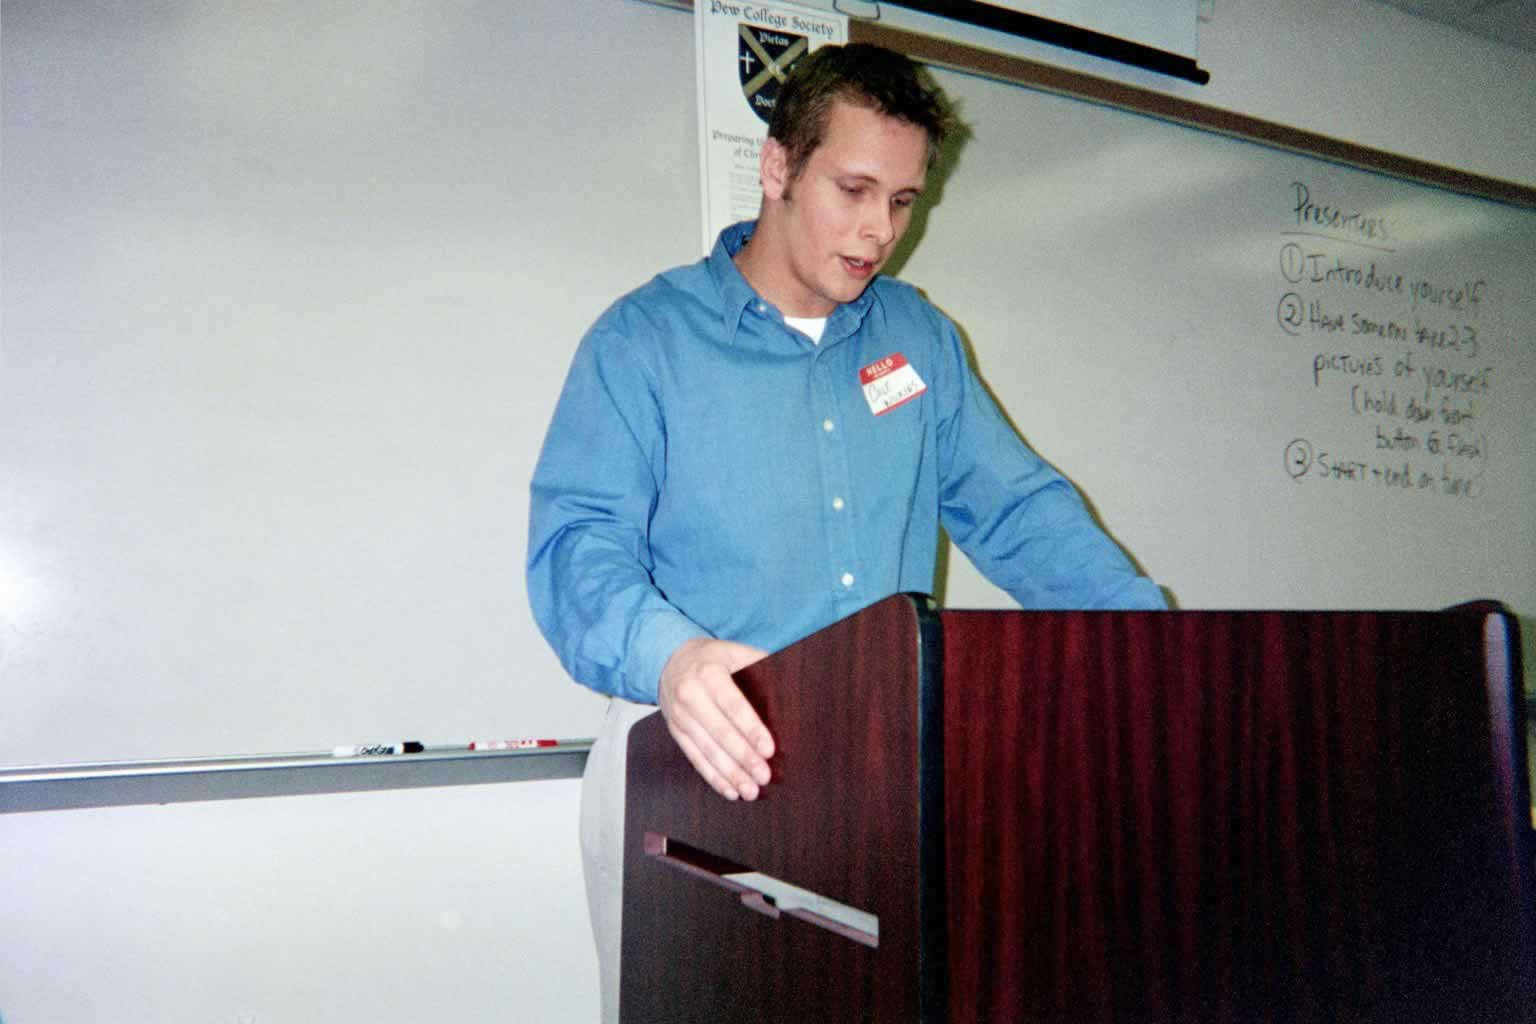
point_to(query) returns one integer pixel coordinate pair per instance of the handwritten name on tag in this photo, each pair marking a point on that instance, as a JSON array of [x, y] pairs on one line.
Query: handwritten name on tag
[[890, 382]]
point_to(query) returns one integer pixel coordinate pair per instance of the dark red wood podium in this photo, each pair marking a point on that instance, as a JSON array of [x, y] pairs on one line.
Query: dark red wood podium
[[1102, 816]]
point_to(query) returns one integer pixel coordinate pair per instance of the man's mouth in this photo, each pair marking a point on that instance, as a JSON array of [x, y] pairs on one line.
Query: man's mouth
[[859, 268]]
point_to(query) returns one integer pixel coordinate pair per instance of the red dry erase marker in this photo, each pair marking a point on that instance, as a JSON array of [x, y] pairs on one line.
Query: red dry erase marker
[[512, 744]]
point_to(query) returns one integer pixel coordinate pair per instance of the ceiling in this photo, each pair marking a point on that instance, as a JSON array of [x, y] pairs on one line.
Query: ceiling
[[1512, 22]]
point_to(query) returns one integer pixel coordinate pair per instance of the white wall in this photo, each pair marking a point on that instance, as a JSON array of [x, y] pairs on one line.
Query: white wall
[[303, 908]]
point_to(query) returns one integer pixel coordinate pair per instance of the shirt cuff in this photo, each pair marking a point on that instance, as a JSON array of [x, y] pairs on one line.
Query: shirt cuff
[[1142, 595], [655, 642]]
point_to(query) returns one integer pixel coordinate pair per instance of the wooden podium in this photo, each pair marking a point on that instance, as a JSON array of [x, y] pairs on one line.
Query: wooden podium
[[1101, 816]]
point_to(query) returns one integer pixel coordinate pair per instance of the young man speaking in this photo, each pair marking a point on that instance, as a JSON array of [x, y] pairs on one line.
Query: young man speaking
[[755, 446]]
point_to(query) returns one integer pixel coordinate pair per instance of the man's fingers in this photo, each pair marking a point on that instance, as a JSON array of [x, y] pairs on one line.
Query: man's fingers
[[701, 764], [714, 717], [712, 720], [743, 719], [735, 726], [725, 774]]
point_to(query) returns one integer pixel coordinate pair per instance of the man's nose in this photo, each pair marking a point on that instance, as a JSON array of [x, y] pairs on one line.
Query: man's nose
[[879, 222]]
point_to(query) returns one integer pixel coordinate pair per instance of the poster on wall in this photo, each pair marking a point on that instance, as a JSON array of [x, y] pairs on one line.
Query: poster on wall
[[742, 53]]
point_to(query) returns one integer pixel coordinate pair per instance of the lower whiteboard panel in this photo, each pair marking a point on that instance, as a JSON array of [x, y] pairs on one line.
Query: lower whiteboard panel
[[458, 903]]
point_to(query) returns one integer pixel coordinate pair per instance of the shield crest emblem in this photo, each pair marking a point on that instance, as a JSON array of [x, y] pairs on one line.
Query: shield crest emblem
[[763, 57]]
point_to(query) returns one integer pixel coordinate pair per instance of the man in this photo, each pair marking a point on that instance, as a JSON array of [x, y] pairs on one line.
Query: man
[[753, 447]]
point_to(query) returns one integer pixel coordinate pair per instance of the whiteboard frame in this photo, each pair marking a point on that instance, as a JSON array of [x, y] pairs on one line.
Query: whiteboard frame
[[1061, 81]]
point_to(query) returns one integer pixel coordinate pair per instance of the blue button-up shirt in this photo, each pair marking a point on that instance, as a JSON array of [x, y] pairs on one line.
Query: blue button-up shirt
[[710, 471]]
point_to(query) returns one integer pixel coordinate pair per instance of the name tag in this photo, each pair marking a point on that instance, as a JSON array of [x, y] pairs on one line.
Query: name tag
[[890, 382]]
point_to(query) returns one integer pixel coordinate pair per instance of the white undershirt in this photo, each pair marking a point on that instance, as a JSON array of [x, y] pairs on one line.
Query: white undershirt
[[810, 326]]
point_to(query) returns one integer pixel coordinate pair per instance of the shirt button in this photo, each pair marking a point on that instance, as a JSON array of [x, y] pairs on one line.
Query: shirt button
[[826, 425], [762, 307], [837, 504], [847, 579]]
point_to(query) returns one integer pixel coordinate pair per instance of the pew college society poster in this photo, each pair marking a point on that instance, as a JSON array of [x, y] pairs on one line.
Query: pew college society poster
[[742, 53]]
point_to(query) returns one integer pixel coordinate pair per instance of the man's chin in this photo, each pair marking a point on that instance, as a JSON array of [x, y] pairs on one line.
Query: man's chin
[[850, 289]]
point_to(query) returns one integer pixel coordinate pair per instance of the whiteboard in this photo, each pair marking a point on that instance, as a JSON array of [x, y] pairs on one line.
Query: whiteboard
[[289, 295], [279, 351], [1280, 382]]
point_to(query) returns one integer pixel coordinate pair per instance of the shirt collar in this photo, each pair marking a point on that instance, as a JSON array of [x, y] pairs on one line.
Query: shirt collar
[[736, 295]]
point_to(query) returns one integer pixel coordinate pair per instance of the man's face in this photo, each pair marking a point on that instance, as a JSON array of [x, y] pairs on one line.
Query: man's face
[[848, 207]]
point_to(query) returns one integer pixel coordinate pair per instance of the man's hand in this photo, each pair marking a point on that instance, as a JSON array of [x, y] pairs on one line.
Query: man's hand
[[710, 718]]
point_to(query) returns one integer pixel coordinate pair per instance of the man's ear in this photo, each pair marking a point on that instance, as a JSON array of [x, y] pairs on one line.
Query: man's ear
[[773, 166]]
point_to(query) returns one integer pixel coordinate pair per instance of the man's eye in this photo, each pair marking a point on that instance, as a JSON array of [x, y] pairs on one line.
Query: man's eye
[[902, 201], [853, 190]]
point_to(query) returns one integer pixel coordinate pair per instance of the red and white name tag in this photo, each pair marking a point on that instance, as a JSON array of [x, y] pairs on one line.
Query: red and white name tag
[[890, 382]]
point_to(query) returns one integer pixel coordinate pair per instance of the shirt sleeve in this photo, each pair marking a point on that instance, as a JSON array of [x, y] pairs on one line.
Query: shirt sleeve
[[1017, 519], [593, 492]]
